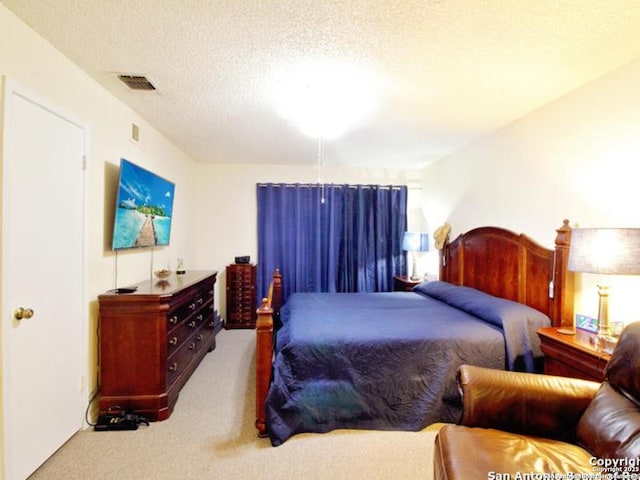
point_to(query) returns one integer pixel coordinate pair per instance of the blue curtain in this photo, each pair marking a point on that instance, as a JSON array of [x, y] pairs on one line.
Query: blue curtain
[[330, 238]]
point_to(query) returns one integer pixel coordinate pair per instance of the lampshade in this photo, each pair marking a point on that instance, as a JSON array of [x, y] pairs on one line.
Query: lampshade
[[614, 251], [415, 242]]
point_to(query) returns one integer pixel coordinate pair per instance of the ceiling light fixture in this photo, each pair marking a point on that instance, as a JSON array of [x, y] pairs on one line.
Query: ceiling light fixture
[[326, 99]]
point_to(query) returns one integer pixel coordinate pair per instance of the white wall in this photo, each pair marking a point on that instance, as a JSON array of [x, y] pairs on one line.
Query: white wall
[[576, 158], [227, 206], [34, 64]]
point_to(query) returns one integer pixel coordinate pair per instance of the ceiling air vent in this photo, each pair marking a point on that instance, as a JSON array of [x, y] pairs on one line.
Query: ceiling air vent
[[137, 82]]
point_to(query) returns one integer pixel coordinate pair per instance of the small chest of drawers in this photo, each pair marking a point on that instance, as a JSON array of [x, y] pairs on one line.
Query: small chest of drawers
[[241, 296], [153, 339]]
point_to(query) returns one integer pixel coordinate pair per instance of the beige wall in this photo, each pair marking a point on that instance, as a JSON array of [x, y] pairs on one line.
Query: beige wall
[[227, 207], [576, 158], [36, 66]]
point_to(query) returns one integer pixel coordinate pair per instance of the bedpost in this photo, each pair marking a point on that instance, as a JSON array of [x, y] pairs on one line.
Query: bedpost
[[268, 315], [264, 334], [563, 279], [275, 296]]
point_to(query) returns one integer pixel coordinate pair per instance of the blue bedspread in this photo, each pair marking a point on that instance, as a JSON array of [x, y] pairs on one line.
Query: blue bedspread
[[388, 361]]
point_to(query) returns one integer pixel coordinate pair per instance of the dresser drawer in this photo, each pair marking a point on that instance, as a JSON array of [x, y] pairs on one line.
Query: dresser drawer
[[180, 359], [180, 334], [178, 314], [240, 300], [241, 316], [208, 329]]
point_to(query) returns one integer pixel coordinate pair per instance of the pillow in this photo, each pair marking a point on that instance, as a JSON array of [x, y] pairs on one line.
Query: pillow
[[518, 322], [490, 308], [435, 288]]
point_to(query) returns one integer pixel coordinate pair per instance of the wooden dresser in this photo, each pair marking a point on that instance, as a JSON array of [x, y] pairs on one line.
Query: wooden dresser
[[241, 296], [572, 355], [153, 339]]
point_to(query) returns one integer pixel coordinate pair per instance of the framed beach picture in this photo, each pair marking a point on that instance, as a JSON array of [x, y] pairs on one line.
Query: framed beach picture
[[144, 208]]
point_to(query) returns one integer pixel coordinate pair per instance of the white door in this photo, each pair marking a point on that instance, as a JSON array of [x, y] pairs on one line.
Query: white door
[[42, 271]]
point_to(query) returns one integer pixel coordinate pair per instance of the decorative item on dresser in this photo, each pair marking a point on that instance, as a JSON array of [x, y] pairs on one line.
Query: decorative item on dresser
[[572, 355], [152, 339], [241, 296]]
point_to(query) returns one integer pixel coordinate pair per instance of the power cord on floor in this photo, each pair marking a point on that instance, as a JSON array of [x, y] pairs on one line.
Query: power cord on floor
[[91, 400]]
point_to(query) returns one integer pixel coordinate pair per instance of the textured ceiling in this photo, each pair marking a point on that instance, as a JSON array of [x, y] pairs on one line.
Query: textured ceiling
[[444, 71]]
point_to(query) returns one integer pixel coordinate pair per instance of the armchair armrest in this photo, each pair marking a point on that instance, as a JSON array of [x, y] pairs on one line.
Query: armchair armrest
[[526, 403]]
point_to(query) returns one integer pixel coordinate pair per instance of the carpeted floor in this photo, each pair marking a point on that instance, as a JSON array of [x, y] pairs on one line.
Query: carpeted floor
[[210, 435]]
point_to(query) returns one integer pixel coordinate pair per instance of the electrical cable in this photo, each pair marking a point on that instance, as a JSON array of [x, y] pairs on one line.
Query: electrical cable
[[91, 400]]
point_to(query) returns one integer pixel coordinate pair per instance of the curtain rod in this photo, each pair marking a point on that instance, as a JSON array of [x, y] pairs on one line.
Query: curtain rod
[[338, 185]]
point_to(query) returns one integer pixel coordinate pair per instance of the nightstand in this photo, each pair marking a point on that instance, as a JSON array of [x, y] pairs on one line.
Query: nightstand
[[572, 355], [401, 283]]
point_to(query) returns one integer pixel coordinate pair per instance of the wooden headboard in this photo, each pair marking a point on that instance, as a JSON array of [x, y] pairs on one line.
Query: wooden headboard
[[513, 266]]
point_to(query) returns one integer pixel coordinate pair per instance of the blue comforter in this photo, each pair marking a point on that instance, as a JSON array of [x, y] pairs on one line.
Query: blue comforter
[[388, 361]]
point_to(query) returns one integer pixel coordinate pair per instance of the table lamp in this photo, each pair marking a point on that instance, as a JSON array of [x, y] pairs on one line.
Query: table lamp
[[605, 251], [415, 242]]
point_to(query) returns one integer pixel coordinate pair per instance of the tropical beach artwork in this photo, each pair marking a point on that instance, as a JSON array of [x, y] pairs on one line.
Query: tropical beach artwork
[[144, 208]]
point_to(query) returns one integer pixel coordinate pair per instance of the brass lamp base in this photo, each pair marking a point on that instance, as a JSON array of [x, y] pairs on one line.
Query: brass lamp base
[[414, 271], [605, 338]]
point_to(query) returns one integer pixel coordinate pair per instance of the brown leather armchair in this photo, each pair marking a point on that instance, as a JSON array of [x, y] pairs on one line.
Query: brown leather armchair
[[528, 423]]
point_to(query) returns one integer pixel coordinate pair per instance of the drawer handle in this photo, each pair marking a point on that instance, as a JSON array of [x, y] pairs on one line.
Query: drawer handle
[[200, 301], [192, 323], [192, 346], [173, 319], [192, 306], [173, 367], [199, 337], [200, 317], [173, 341], [212, 324]]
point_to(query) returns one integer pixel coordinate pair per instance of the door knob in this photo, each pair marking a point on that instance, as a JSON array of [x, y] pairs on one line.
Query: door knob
[[21, 313]]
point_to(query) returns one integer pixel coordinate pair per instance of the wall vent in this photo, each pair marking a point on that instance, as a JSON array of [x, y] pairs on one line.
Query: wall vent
[[135, 133], [137, 82]]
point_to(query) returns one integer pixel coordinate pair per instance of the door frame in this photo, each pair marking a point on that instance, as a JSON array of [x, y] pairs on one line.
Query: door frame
[[8, 88]]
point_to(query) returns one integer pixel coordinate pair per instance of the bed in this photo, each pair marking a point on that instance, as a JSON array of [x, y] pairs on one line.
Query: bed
[[388, 361]]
